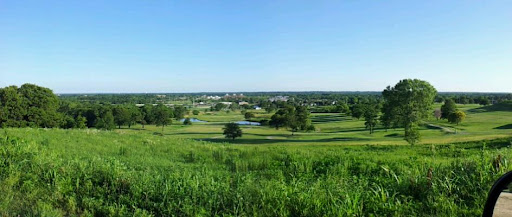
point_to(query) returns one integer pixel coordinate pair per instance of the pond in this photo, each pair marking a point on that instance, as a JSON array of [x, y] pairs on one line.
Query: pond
[[248, 123], [194, 120]]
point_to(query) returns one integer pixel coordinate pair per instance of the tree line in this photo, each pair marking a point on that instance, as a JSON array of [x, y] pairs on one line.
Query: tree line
[[34, 106]]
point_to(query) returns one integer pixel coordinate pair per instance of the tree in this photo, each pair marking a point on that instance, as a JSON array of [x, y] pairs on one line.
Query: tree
[[302, 117], [234, 107], [438, 114], [40, 105], [484, 101], [387, 118], [295, 118], [122, 115], [371, 115], [219, 107], [162, 116], [187, 121], [249, 115], [278, 120], [105, 119], [135, 116], [447, 108], [342, 108], [147, 115], [357, 111], [409, 102], [195, 112], [412, 134], [80, 122], [29, 105], [232, 131], [457, 117], [12, 108], [180, 112]]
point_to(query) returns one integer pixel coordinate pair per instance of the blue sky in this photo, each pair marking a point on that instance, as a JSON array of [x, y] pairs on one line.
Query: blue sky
[[193, 46]]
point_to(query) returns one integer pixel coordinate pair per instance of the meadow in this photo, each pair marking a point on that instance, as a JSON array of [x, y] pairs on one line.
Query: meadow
[[55, 172], [191, 170], [340, 129]]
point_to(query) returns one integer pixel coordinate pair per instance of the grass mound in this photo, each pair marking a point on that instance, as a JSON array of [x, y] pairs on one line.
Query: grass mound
[[502, 106]]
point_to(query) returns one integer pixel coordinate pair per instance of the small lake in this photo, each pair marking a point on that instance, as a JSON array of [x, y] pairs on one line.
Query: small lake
[[194, 120], [248, 123]]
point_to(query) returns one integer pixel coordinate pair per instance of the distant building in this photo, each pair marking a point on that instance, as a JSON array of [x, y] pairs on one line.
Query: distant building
[[257, 107], [278, 98], [213, 97]]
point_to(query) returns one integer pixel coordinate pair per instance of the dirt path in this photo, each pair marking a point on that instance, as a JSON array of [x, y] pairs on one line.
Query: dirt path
[[503, 205], [446, 129]]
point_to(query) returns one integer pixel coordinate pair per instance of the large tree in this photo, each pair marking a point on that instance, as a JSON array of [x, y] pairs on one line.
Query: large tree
[[147, 115], [409, 102], [294, 117], [135, 115], [29, 105], [12, 109], [447, 108], [278, 120], [357, 110], [105, 119], [232, 131], [457, 117], [122, 115], [162, 115], [371, 116], [179, 112]]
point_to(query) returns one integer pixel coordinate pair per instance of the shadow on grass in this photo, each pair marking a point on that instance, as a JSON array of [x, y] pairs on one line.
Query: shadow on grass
[[192, 133], [354, 130], [273, 141], [504, 127], [394, 135], [329, 118], [502, 106], [134, 129]]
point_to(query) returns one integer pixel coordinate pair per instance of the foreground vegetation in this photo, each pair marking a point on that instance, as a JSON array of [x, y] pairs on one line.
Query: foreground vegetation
[[55, 172]]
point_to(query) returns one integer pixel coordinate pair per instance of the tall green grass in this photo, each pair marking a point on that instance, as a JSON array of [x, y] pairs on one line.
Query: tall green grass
[[95, 173]]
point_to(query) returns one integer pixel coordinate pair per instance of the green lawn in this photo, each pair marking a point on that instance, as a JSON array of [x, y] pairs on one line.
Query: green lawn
[[55, 172], [338, 170], [339, 129]]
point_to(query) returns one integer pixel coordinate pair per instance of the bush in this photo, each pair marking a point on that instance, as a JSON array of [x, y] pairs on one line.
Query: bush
[[264, 122]]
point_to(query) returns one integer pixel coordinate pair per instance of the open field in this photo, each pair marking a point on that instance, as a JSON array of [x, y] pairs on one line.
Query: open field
[[339, 129], [55, 172], [192, 170]]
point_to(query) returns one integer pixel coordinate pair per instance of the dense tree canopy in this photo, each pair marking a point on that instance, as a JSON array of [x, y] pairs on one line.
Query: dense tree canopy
[[232, 131], [456, 117], [29, 105], [162, 115], [371, 116], [407, 103], [447, 108], [294, 117]]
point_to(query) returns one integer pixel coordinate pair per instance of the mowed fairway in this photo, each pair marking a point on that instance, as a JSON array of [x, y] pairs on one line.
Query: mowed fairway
[[340, 129]]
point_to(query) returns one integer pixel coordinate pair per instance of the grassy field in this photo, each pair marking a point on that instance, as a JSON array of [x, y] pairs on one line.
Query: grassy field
[[54, 172], [338, 129], [339, 170]]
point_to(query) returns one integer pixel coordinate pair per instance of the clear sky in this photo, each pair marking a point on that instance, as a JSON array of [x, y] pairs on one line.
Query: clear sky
[[194, 46]]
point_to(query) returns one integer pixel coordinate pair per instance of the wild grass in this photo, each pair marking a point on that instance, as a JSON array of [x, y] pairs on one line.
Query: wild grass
[[96, 173]]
